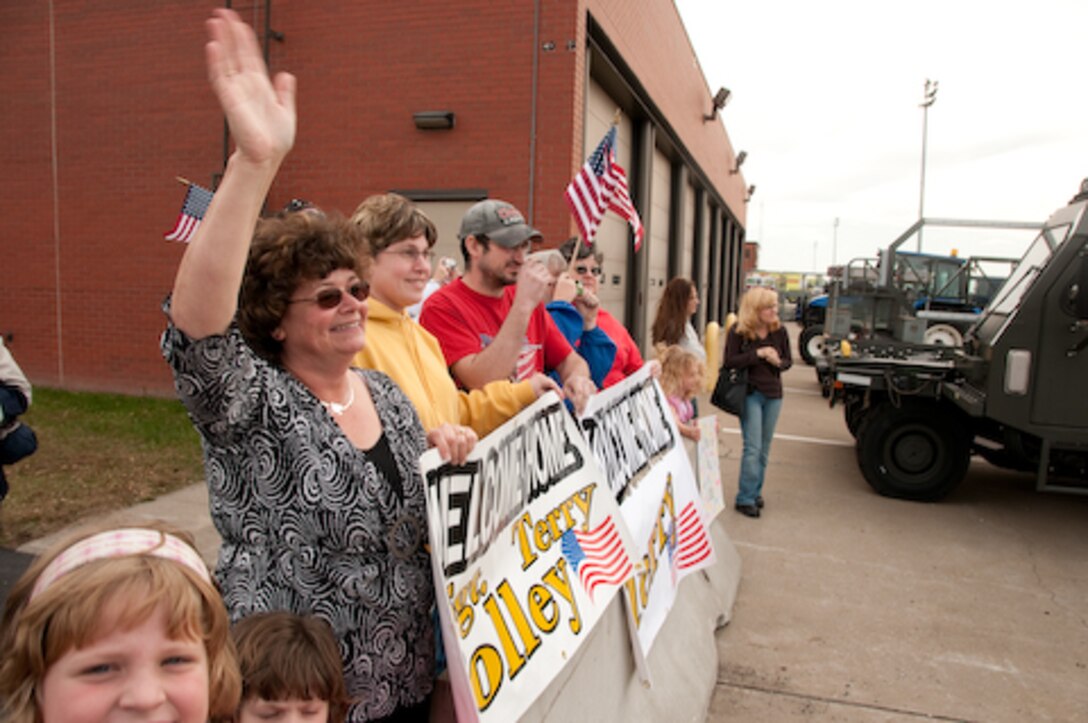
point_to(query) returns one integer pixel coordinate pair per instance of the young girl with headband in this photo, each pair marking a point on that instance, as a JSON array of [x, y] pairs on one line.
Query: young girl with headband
[[117, 622]]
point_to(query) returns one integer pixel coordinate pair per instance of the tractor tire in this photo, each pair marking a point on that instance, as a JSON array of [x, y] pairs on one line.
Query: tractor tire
[[812, 343], [943, 334], [918, 451]]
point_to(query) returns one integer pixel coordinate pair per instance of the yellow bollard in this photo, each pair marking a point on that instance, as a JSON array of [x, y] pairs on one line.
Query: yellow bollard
[[713, 355], [715, 346]]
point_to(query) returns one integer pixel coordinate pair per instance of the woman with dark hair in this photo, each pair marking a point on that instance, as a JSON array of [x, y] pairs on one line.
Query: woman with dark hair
[[672, 325], [312, 465]]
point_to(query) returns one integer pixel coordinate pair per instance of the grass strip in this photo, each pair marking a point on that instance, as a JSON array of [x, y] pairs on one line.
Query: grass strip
[[96, 453]]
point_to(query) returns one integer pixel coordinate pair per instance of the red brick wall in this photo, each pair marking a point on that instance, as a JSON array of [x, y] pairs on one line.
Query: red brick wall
[[364, 76], [27, 254], [132, 110], [652, 40], [751, 257], [130, 105]]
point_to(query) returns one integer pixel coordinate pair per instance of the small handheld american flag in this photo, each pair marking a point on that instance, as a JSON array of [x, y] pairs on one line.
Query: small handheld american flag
[[192, 213], [602, 185]]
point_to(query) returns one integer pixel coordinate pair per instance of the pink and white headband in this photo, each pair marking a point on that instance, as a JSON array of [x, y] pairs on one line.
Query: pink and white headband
[[120, 543]]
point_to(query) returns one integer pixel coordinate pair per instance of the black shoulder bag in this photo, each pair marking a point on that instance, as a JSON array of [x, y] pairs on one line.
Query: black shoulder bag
[[731, 389]]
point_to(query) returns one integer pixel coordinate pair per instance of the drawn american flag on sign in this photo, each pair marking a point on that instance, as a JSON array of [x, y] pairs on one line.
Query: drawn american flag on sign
[[192, 213], [598, 556], [693, 547]]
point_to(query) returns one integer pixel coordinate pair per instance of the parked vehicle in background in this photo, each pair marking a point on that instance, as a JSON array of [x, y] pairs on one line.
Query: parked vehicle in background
[[906, 295], [1015, 393]]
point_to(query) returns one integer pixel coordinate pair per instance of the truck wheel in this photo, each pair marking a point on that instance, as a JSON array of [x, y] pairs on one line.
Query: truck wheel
[[812, 343], [919, 451]]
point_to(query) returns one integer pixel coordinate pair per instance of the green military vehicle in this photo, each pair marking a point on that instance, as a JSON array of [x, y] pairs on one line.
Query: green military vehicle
[[1016, 393]]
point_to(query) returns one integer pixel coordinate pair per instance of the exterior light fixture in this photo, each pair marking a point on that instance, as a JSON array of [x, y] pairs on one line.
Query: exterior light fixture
[[751, 192], [719, 101], [434, 120], [741, 158]]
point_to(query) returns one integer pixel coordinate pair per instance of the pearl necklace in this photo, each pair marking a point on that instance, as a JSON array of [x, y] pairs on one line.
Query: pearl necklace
[[337, 409]]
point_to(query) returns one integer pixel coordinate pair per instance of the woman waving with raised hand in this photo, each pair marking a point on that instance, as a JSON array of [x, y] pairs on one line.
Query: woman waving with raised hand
[[312, 465]]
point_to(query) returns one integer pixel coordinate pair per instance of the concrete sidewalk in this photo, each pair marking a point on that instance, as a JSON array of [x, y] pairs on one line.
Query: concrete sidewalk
[[186, 508]]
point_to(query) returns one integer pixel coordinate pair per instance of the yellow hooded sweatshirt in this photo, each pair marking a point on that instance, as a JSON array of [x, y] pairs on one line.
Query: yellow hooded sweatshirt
[[400, 347]]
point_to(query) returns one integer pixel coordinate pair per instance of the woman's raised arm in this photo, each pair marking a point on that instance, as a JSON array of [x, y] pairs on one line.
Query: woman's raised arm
[[261, 114]]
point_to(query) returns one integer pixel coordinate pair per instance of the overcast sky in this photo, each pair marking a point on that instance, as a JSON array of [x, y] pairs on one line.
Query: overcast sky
[[825, 100]]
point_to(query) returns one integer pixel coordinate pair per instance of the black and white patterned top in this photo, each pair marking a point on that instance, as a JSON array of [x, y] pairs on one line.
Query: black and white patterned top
[[310, 523]]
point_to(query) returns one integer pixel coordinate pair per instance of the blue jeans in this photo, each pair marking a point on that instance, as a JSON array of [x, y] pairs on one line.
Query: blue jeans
[[757, 428]]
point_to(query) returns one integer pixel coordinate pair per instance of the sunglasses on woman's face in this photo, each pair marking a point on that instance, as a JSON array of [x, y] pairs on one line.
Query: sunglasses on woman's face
[[331, 298]]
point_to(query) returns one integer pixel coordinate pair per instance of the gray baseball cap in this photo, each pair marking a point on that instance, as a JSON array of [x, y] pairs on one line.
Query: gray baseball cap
[[499, 221]]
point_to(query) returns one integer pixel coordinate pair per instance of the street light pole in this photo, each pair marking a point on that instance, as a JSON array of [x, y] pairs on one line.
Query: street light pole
[[927, 100], [835, 241]]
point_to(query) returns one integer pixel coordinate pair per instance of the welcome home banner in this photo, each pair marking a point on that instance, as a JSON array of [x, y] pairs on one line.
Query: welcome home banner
[[528, 550], [633, 435]]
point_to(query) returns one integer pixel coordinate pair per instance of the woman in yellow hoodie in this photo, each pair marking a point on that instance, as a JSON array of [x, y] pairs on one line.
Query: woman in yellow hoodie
[[400, 238]]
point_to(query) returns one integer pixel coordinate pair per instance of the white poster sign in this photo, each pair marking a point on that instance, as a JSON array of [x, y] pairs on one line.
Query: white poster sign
[[710, 474], [633, 435], [529, 549]]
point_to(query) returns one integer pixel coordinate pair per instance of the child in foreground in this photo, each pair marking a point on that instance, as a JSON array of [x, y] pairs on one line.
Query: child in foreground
[[291, 669], [116, 623], [681, 376]]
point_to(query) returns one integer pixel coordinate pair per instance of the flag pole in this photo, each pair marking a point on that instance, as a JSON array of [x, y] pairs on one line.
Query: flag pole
[[574, 254]]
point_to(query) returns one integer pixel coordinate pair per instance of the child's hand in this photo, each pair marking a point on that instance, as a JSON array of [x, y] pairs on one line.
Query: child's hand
[[691, 431]]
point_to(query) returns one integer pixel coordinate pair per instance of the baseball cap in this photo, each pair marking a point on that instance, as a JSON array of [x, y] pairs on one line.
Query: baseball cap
[[499, 221]]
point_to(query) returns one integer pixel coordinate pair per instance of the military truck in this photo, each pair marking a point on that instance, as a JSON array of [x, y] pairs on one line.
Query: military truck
[[1016, 393]]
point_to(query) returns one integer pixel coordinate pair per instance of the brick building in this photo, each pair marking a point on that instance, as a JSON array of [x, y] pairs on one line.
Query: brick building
[[750, 260], [106, 102]]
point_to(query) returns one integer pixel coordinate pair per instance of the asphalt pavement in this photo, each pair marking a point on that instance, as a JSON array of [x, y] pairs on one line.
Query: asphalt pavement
[[856, 607], [12, 564]]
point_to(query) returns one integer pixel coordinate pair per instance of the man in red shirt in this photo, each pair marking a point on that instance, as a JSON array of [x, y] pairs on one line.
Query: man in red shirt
[[491, 323]]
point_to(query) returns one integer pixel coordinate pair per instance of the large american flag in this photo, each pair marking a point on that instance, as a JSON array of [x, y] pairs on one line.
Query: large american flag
[[192, 213], [598, 556], [602, 185]]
